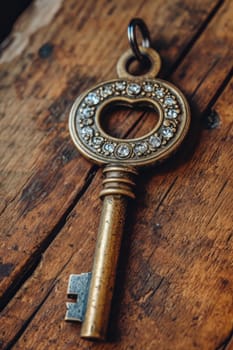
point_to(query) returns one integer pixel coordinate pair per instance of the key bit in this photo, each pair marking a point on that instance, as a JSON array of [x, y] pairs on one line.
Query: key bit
[[78, 287]]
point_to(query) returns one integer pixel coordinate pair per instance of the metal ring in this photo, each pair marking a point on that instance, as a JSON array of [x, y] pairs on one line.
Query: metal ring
[[149, 53], [146, 42]]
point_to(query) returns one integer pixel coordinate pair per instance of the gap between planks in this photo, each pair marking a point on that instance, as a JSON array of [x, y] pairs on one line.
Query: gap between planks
[[62, 221], [36, 257]]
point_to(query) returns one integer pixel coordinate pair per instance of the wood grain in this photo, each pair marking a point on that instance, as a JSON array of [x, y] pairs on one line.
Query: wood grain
[[31, 209], [174, 286]]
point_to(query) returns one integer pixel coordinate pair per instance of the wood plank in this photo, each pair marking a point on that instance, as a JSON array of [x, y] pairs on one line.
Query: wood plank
[[177, 284], [175, 291], [43, 176]]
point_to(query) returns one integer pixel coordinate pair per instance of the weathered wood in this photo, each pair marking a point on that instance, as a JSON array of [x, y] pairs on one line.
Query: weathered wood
[[42, 166], [176, 281], [177, 289]]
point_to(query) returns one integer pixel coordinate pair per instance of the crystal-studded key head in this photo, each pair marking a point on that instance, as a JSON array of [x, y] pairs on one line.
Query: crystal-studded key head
[[95, 144]]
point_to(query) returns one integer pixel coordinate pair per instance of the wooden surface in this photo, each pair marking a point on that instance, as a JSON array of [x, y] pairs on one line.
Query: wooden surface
[[175, 280]]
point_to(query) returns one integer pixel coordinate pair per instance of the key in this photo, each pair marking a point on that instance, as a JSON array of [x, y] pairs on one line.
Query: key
[[122, 159]]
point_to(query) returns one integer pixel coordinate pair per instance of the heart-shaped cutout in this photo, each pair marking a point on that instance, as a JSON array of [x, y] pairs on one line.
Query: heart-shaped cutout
[[119, 119], [108, 126]]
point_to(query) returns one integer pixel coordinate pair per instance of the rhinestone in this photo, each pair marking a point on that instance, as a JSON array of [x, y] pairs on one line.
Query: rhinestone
[[123, 150], [92, 99], [108, 147], [120, 85], [159, 92], [155, 141], [140, 148], [98, 140], [87, 131], [172, 114], [133, 89], [167, 132], [148, 87], [87, 112], [88, 121], [106, 90], [169, 101]]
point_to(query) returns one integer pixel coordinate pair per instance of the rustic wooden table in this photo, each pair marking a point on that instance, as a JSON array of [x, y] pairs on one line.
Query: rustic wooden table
[[175, 282]]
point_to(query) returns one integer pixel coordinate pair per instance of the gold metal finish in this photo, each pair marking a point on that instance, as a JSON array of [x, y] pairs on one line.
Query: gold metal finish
[[127, 57], [121, 157], [98, 154], [115, 193]]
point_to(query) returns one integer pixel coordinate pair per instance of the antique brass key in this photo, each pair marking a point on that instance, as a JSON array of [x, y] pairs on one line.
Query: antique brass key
[[121, 158]]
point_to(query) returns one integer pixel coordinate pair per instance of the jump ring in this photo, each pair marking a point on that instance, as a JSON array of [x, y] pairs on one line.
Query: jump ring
[[146, 42]]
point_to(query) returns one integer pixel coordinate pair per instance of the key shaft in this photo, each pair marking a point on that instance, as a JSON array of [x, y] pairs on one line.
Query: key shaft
[[117, 189]]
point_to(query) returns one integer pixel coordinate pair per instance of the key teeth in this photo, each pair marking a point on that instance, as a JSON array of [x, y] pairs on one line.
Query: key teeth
[[73, 313], [78, 288]]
